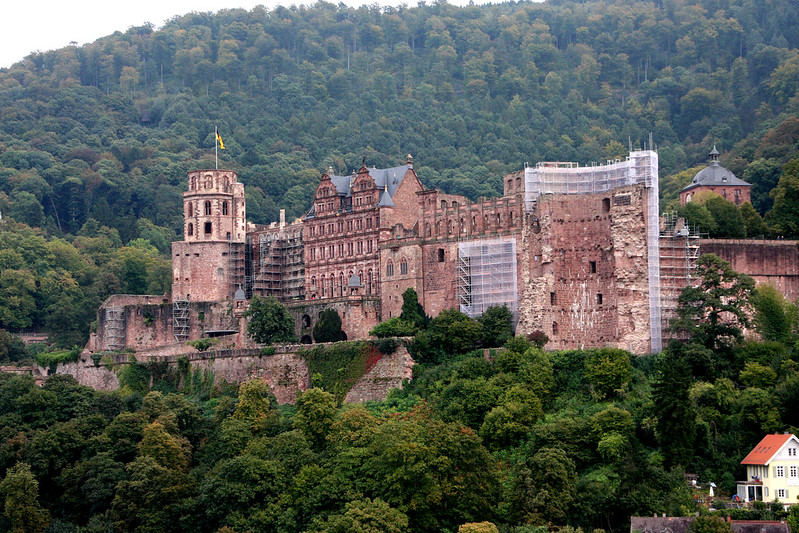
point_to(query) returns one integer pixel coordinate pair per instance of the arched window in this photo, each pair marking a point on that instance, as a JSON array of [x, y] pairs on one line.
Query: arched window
[[191, 229], [191, 209], [443, 204], [207, 207], [403, 266], [518, 183], [510, 185], [224, 208], [313, 281], [389, 268], [438, 227]]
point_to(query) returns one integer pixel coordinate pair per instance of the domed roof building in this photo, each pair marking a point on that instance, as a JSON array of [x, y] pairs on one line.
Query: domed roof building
[[717, 179]]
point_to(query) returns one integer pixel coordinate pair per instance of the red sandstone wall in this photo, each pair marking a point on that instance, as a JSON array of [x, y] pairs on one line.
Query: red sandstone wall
[[578, 247], [772, 262]]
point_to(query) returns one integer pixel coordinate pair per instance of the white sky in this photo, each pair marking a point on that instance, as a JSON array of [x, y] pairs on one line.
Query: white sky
[[30, 25]]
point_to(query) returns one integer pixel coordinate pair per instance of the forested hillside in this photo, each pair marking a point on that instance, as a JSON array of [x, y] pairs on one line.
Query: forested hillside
[[104, 133], [534, 441]]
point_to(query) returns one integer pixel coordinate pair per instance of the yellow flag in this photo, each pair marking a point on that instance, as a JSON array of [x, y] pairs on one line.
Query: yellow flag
[[219, 138]]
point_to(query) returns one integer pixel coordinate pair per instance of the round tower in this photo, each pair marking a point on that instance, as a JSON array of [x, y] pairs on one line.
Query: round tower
[[209, 263]]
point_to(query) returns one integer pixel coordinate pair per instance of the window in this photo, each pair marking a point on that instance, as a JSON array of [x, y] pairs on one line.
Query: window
[[207, 228], [191, 229], [779, 471], [782, 494], [368, 246], [313, 256], [224, 208], [440, 255], [792, 452], [592, 267], [207, 208], [606, 205], [794, 471], [554, 328], [191, 209], [389, 268], [360, 247], [599, 298], [553, 299], [403, 266], [349, 248]]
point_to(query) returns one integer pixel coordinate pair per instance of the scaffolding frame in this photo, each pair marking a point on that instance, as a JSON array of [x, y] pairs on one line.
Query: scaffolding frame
[[679, 252], [115, 328], [486, 276], [281, 270], [181, 320]]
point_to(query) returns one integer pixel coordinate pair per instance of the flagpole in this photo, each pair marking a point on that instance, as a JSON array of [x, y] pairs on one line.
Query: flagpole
[[216, 147]]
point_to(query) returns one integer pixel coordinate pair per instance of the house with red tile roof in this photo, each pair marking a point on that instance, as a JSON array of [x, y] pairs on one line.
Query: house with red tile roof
[[772, 470]]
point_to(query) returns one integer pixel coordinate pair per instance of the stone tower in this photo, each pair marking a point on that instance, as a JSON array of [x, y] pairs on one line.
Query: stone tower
[[209, 264]]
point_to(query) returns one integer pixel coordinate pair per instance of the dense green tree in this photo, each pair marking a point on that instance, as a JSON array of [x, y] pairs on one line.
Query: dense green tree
[[715, 312], [676, 426], [775, 318], [19, 492], [497, 325], [784, 216], [608, 370], [412, 310], [544, 487], [729, 222], [328, 327], [269, 321]]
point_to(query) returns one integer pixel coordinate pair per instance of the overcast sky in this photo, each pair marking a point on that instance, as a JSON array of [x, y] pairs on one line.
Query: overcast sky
[[30, 25]]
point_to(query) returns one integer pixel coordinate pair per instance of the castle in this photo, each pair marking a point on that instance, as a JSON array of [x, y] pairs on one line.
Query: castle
[[579, 253]]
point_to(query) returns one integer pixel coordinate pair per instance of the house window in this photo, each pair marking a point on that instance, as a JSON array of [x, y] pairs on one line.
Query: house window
[[191, 229], [779, 471], [207, 208], [403, 266], [592, 267], [599, 298], [553, 299], [792, 452], [224, 208], [782, 494], [368, 246], [440, 255], [191, 209], [389, 268], [207, 228], [793, 471]]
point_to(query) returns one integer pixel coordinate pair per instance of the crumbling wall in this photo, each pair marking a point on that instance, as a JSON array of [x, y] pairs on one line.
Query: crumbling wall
[[387, 374], [584, 270]]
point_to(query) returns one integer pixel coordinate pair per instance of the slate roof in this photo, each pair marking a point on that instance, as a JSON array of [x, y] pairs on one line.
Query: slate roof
[[766, 449], [715, 175], [391, 177]]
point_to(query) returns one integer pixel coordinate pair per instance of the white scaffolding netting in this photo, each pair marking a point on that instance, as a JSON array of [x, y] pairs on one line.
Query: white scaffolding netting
[[640, 167], [487, 276], [570, 178]]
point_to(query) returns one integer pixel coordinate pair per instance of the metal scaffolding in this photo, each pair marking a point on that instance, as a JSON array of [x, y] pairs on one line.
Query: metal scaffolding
[[679, 251], [115, 328], [486, 276], [181, 322], [281, 270]]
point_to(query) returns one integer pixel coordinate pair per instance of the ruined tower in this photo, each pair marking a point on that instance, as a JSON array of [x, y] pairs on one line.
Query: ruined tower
[[209, 264]]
